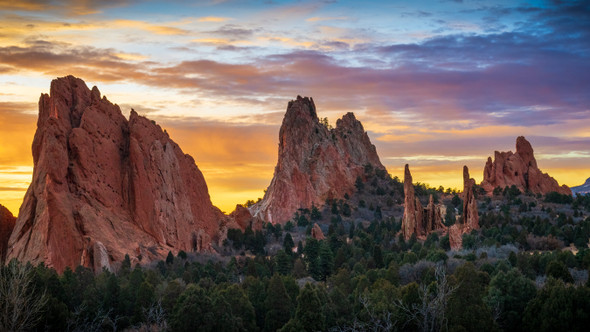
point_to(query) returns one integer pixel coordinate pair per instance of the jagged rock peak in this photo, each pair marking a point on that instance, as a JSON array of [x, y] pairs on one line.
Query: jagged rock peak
[[519, 169], [315, 161], [470, 214], [104, 186], [417, 219], [6, 225]]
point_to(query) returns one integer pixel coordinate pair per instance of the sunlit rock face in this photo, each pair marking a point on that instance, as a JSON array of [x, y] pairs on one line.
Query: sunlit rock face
[[519, 169], [7, 221], [417, 219], [104, 186], [315, 162]]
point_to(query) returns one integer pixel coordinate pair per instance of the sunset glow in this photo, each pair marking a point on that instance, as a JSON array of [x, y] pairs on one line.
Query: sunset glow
[[438, 84]]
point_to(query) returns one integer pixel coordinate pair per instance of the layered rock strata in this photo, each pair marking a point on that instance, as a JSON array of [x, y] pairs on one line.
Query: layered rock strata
[[104, 186], [519, 169], [315, 162]]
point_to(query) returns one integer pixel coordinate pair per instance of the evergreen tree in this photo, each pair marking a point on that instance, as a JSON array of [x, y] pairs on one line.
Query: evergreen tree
[[170, 258], [193, 310], [277, 305], [288, 243], [309, 314], [378, 256], [283, 262], [509, 294], [326, 260]]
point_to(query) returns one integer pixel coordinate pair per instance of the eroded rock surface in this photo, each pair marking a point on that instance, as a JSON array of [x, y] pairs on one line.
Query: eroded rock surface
[[519, 169], [104, 186], [417, 219], [315, 162], [470, 217], [7, 221]]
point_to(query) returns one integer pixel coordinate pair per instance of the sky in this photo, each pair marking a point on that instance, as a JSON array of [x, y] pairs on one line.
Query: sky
[[437, 84]]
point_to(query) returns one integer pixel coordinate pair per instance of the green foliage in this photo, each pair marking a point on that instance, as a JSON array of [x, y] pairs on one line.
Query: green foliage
[[277, 305], [555, 197], [193, 309], [170, 258], [359, 184], [288, 243], [508, 294], [558, 270], [558, 307], [466, 309]]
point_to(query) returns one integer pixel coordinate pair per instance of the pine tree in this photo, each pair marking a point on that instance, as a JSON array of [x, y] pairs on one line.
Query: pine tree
[[277, 305], [288, 243]]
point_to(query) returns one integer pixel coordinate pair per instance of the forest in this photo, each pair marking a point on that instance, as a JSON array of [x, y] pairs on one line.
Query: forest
[[526, 269]]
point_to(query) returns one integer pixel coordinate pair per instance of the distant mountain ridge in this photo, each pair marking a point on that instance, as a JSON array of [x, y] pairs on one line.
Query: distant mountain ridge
[[583, 188]]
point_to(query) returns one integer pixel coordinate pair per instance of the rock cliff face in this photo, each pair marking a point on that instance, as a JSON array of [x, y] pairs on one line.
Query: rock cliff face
[[6, 225], [314, 162], [104, 186], [470, 218], [519, 169], [418, 220]]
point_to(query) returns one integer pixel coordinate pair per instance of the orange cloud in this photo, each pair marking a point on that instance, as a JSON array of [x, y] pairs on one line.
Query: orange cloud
[[213, 19]]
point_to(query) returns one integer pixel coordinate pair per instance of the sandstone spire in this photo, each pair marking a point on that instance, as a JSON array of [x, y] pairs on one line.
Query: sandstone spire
[[470, 216], [418, 220]]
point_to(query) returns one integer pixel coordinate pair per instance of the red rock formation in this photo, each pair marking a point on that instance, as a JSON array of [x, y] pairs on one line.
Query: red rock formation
[[6, 225], [104, 186], [519, 169], [242, 218], [418, 220], [409, 218], [316, 232], [470, 215], [315, 162]]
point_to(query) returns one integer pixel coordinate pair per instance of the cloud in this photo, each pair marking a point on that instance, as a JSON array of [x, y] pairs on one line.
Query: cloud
[[19, 121], [213, 19], [70, 7], [332, 18]]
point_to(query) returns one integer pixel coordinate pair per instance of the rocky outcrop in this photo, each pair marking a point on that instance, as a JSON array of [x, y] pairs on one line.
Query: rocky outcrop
[[104, 186], [243, 219], [519, 169], [470, 214], [418, 220], [316, 232], [7, 221], [315, 162], [470, 217]]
